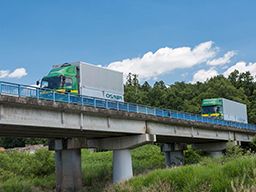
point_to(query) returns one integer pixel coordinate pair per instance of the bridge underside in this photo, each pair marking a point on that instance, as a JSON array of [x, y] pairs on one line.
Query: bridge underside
[[45, 132]]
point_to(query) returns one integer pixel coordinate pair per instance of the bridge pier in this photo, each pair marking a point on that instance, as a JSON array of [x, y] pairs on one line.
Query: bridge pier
[[67, 164], [173, 154], [122, 165], [122, 160], [68, 170]]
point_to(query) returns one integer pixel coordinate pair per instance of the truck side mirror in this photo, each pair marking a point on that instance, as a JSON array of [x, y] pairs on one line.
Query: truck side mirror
[[37, 82]]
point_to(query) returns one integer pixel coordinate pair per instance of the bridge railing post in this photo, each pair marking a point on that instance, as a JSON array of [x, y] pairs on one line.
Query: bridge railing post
[[117, 105], [37, 93], [106, 104], [82, 100], [69, 99], [19, 91], [53, 95]]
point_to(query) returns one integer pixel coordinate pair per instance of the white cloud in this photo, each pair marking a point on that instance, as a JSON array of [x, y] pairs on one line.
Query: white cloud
[[164, 60], [3, 73], [202, 75], [17, 73], [241, 67], [222, 60]]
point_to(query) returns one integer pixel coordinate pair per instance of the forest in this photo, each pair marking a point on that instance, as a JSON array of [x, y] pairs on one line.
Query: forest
[[187, 97]]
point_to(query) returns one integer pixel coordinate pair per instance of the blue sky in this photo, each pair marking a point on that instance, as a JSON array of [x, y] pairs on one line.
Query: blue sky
[[180, 40]]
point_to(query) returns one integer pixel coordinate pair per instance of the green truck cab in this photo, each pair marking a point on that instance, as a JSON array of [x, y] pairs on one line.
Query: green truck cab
[[62, 79], [225, 109], [212, 108]]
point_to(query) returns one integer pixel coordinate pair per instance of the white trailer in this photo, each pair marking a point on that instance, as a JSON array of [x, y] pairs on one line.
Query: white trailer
[[100, 82], [234, 111]]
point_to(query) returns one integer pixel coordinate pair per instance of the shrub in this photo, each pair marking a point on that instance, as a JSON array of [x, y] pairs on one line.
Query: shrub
[[192, 156], [253, 144], [233, 150], [42, 163]]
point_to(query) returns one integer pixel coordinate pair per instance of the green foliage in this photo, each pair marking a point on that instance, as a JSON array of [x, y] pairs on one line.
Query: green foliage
[[147, 158], [233, 150], [24, 172], [192, 156], [11, 142], [253, 144], [212, 177]]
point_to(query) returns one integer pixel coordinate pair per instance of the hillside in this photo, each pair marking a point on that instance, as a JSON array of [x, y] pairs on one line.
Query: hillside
[[215, 175]]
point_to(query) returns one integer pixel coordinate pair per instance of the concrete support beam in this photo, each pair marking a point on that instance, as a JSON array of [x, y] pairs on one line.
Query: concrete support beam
[[213, 149], [210, 147], [69, 143], [122, 165], [118, 143], [68, 170]]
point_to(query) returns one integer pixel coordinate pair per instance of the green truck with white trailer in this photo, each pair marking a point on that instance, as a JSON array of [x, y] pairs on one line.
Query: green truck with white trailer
[[225, 109], [85, 79]]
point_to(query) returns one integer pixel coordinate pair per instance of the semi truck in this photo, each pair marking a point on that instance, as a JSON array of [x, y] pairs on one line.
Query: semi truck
[[81, 78], [225, 109]]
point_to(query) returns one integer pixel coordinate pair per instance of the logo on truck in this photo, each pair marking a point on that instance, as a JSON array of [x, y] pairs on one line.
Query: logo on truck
[[114, 97]]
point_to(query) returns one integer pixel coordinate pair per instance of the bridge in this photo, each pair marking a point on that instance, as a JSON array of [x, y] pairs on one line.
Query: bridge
[[73, 122]]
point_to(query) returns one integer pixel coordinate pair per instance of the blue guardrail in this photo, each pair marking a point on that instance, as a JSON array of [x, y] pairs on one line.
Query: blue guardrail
[[18, 90]]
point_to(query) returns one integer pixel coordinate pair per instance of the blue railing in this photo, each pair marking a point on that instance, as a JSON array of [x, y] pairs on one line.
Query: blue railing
[[18, 90]]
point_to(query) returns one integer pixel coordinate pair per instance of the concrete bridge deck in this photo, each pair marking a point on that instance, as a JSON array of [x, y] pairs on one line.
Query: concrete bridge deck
[[28, 117]]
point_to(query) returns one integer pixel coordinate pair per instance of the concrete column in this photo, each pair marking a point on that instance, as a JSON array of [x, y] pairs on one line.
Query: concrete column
[[122, 165], [68, 170], [215, 153], [173, 154], [177, 158], [122, 160], [167, 157]]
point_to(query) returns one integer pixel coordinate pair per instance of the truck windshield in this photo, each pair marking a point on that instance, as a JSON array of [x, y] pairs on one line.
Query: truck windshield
[[51, 82], [210, 109]]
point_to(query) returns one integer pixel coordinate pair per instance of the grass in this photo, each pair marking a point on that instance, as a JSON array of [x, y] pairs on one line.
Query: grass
[[27, 172], [35, 172], [211, 175], [97, 167]]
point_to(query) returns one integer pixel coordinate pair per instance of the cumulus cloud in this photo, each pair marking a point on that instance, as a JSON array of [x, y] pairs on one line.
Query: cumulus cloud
[[3, 73], [241, 67], [202, 75], [17, 73], [222, 60], [164, 60]]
